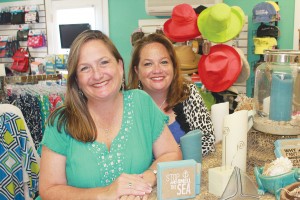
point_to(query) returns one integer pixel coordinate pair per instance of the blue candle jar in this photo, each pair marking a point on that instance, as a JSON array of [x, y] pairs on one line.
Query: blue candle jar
[[277, 93]]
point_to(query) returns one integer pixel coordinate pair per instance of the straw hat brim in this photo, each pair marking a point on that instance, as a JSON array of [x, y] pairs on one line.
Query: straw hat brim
[[192, 65], [245, 73], [189, 71]]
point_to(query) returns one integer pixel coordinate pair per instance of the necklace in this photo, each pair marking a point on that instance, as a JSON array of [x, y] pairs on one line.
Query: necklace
[[162, 103], [109, 123], [107, 134]]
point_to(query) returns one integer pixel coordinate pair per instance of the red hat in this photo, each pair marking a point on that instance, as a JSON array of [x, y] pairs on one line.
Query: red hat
[[220, 68], [182, 25]]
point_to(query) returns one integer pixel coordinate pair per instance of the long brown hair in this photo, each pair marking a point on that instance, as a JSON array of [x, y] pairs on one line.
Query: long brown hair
[[178, 90], [74, 116]]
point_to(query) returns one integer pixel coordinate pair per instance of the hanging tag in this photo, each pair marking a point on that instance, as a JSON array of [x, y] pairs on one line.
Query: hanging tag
[[2, 70], [235, 43], [206, 47], [195, 46]]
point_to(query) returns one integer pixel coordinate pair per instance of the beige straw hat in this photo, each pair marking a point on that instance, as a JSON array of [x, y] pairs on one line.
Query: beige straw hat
[[188, 60]]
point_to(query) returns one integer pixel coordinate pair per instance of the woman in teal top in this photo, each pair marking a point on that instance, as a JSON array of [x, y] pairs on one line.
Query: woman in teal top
[[105, 141]]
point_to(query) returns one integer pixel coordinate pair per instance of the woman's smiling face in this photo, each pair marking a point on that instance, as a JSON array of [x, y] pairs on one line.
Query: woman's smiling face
[[155, 69], [99, 74]]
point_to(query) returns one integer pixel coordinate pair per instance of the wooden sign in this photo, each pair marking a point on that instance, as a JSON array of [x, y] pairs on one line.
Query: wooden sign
[[178, 179], [289, 148], [291, 152]]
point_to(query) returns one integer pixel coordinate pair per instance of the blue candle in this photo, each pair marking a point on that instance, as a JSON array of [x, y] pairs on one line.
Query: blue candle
[[281, 97], [191, 145]]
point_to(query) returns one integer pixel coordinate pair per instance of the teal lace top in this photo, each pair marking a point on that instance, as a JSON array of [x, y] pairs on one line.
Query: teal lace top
[[92, 165]]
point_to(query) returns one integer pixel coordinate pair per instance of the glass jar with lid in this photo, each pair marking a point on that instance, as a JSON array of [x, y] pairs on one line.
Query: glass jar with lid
[[277, 93]]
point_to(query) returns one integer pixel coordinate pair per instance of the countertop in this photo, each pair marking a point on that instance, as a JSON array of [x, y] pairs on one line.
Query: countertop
[[210, 161]]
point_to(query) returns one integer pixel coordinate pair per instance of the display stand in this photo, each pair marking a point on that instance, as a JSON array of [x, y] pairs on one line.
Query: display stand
[[30, 79]]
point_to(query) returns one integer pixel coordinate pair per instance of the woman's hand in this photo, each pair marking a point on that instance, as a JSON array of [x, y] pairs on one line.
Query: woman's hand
[[129, 185], [150, 177]]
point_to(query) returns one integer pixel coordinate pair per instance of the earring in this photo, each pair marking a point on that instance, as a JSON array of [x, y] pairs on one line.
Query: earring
[[140, 86], [123, 84], [80, 92]]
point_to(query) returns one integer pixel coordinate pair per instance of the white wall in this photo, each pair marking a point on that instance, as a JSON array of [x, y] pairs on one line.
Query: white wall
[[53, 6]]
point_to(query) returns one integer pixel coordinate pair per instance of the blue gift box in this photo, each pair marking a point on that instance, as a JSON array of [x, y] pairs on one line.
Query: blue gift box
[[178, 179]]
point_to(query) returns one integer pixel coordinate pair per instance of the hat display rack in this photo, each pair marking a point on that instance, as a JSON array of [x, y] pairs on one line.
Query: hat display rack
[[217, 26], [266, 16]]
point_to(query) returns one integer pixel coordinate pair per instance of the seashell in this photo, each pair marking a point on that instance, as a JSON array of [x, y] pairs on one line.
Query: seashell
[[279, 166]]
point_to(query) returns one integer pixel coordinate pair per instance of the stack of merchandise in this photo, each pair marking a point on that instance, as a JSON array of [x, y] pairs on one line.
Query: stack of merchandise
[[266, 13]]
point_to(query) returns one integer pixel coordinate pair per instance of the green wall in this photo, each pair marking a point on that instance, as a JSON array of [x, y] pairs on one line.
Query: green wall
[[123, 20], [2, 1]]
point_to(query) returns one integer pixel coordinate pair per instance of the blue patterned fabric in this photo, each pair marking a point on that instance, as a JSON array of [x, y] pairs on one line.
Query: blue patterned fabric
[[30, 108], [36, 109], [15, 151]]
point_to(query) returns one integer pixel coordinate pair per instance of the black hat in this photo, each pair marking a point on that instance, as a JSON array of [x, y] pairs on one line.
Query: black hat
[[199, 9], [265, 30]]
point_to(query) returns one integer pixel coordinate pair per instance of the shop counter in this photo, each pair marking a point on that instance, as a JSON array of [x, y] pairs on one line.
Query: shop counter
[[215, 160]]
